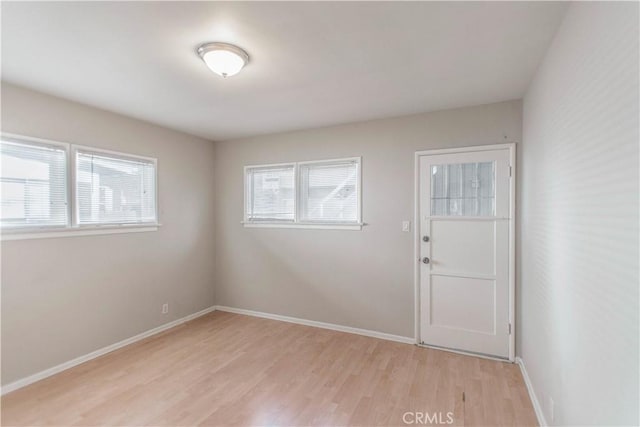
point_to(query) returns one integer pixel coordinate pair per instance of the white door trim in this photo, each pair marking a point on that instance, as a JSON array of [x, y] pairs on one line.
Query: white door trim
[[512, 233]]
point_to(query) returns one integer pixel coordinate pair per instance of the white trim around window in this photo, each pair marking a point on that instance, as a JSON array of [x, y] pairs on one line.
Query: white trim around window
[[296, 221], [115, 155], [39, 143], [72, 227]]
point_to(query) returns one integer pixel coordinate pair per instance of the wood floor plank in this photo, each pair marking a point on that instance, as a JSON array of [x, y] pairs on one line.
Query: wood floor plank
[[229, 369]]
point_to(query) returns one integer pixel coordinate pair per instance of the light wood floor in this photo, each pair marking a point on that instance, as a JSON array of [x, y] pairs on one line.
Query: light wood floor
[[229, 369]]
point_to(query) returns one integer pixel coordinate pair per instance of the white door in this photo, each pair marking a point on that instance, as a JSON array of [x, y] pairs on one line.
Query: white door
[[465, 250]]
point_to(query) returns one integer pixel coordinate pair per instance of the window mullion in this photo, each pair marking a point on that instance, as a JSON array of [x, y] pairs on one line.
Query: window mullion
[[296, 195], [71, 187]]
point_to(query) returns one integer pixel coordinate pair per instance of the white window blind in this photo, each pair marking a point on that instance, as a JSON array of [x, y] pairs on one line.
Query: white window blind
[[34, 185], [329, 191], [463, 189], [270, 193], [114, 189], [316, 194]]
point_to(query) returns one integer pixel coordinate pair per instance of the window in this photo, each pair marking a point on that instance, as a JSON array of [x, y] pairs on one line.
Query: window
[[318, 194], [271, 193], [34, 184], [110, 190], [329, 191], [114, 189]]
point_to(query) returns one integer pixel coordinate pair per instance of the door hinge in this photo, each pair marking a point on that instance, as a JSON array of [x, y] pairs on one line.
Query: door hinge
[[509, 328], [510, 169], [463, 396]]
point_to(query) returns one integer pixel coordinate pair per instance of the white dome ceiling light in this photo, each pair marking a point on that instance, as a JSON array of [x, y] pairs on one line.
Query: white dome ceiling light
[[223, 59]]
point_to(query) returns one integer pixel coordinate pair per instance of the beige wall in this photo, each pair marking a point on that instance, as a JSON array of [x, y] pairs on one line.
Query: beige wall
[[65, 297], [580, 220], [361, 279]]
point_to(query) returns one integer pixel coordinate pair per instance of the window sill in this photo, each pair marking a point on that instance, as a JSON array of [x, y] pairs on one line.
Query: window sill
[[92, 230], [310, 226]]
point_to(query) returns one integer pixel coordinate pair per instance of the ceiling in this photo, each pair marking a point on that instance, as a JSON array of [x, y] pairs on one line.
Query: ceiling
[[312, 64]]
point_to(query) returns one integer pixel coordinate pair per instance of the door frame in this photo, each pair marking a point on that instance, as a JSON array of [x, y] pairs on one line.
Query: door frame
[[512, 238]]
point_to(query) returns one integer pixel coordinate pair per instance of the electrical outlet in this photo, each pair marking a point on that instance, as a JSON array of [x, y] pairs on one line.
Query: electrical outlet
[[406, 226], [165, 308]]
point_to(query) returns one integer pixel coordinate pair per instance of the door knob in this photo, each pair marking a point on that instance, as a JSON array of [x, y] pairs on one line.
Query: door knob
[[425, 260], [425, 238]]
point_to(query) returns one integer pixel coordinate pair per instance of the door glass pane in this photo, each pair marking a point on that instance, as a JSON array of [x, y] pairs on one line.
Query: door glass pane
[[463, 189]]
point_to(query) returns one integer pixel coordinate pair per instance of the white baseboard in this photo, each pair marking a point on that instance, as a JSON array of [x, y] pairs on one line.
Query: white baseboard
[[78, 360], [532, 394], [467, 353], [323, 325]]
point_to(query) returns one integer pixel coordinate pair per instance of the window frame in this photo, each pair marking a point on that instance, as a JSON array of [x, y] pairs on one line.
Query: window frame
[[72, 227], [297, 222], [116, 155], [247, 195], [39, 142]]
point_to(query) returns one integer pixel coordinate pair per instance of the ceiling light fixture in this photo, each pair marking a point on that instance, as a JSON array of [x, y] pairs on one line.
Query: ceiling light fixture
[[223, 59]]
